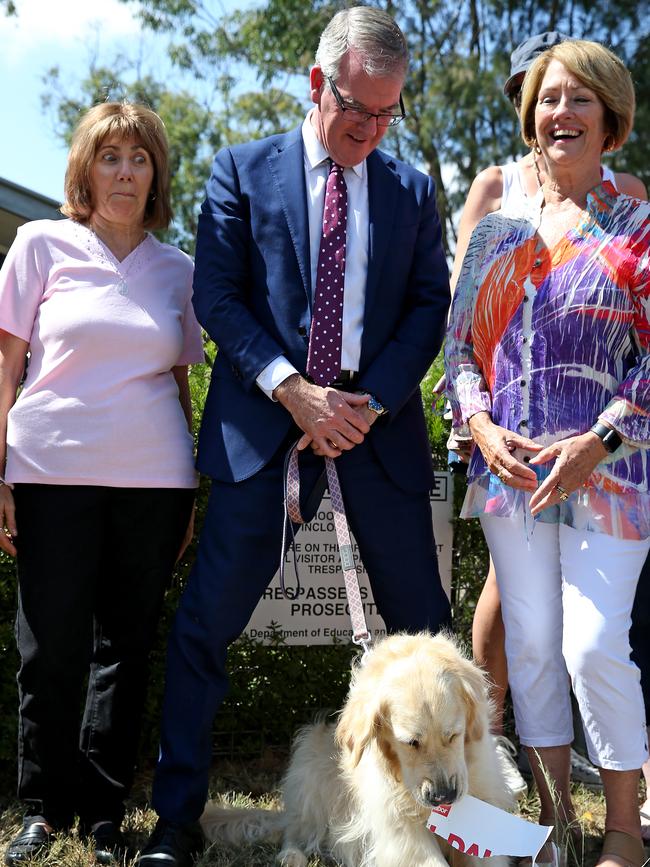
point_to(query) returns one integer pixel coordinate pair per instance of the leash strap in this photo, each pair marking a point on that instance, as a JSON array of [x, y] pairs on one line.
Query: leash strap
[[360, 632]]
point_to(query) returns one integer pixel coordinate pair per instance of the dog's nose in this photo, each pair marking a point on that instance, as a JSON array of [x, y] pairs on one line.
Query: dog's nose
[[436, 795]]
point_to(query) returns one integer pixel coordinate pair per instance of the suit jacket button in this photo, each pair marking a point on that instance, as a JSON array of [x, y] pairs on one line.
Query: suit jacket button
[[302, 331]]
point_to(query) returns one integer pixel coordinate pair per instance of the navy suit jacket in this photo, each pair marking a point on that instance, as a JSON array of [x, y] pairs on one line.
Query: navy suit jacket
[[253, 295]]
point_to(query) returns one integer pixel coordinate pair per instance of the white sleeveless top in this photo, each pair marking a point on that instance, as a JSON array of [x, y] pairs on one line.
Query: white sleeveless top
[[513, 197]]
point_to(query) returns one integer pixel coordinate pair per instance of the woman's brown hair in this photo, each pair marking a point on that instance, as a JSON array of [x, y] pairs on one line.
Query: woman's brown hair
[[125, 120]]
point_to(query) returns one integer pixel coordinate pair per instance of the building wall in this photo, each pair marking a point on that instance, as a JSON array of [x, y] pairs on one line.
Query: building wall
[[19, 205]]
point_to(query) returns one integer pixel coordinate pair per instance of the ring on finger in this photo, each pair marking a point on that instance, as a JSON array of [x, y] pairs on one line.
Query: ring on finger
[[562, 492], [501, 474]]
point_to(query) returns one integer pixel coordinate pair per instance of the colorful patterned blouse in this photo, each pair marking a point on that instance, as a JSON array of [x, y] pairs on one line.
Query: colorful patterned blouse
[[550, 342]]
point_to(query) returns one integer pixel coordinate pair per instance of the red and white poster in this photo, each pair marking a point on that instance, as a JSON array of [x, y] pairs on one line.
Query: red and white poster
[[479, 829]]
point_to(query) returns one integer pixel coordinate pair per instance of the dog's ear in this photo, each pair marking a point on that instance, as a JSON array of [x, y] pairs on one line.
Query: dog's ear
[[386, 744], [474, 692], [360, 721]]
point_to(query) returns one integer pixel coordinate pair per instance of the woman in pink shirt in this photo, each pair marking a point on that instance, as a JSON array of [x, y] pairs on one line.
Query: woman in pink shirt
[[98, 490]]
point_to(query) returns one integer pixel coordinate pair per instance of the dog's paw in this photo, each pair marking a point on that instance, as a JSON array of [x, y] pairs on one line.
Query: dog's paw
[[291, 857]]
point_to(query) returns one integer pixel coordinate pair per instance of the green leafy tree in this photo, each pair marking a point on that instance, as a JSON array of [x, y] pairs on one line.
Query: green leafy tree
[[459, 121]]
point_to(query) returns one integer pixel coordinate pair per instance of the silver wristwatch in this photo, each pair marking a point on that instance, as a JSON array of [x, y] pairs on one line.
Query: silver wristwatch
[[376, 407]]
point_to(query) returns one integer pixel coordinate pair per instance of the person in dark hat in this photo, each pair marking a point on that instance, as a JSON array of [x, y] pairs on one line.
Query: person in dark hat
[[523, 56]]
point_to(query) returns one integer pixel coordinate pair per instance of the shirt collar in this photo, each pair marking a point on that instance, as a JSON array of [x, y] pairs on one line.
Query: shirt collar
[[315, 153]]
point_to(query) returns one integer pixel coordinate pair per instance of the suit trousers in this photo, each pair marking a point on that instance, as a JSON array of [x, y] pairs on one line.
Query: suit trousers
[[93, 566], [566, 599], [239, 552]]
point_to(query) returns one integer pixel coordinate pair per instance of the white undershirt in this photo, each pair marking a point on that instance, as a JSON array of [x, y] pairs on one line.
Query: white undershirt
[[356, 258]]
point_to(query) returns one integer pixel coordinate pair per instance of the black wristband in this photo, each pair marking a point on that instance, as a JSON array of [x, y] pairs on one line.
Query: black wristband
[[610, 439]]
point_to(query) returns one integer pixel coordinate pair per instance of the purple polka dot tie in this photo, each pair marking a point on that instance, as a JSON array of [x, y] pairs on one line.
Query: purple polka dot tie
[[324, 356]]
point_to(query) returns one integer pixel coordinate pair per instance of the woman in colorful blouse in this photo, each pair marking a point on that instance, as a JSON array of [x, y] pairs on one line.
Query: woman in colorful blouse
[[548, 361]]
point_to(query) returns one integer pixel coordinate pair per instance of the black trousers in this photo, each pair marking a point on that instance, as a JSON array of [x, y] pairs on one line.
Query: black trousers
[[640, 633], [93, 566]]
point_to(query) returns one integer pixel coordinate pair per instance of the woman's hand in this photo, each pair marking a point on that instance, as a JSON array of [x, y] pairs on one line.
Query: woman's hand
[[12, 364], [497, 444], [577, 457], [189, 534], [8, 529]]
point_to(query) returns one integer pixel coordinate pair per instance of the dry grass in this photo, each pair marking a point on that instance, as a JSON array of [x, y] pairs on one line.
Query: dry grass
[[256, 784]]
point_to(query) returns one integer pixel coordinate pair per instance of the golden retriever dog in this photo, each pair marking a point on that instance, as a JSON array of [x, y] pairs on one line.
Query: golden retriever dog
[[413, 734]]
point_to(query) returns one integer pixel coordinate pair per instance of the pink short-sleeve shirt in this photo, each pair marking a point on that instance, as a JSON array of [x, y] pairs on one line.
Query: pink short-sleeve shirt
[[99, 405]]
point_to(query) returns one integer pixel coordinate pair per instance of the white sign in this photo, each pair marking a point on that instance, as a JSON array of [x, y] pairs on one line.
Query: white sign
[[320, 613], [479, 829]]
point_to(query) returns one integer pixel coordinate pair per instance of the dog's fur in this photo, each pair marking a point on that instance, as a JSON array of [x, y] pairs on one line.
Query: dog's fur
[[413, 734]]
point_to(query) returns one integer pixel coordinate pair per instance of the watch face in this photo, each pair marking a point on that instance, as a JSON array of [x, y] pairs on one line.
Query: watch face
[[612, 441]]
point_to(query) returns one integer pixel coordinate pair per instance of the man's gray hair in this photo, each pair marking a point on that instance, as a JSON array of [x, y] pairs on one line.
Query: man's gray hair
[[371, 32]]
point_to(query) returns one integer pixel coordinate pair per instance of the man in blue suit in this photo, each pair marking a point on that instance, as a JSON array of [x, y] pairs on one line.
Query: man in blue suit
[[258, 244]]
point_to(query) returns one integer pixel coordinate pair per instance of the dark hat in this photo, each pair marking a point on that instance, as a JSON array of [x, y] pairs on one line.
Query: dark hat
[[524, 54]]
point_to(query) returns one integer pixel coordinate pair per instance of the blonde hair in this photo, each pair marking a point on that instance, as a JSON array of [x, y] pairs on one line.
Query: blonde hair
[[125, 120], [597, 68]]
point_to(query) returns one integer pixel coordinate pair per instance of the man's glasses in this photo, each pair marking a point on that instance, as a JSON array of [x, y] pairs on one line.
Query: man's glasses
[[357, 115]]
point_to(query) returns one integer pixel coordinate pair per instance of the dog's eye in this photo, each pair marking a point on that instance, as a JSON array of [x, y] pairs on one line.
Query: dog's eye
[[415, 743]]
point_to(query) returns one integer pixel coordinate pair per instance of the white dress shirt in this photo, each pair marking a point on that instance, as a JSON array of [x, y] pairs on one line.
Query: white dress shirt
[[356, 255]]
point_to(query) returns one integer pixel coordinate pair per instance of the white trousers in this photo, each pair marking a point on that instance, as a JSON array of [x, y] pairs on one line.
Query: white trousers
[[566, 602]]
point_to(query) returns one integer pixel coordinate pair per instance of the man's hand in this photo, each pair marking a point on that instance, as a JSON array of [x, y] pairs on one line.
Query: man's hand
[[333, 421], [367, 414]]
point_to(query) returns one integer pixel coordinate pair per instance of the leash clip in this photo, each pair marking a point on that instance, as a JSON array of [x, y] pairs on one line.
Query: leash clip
[[364, 642]]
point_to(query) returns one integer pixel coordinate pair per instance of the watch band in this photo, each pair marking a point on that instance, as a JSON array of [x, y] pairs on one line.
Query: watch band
[[610, 439]]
